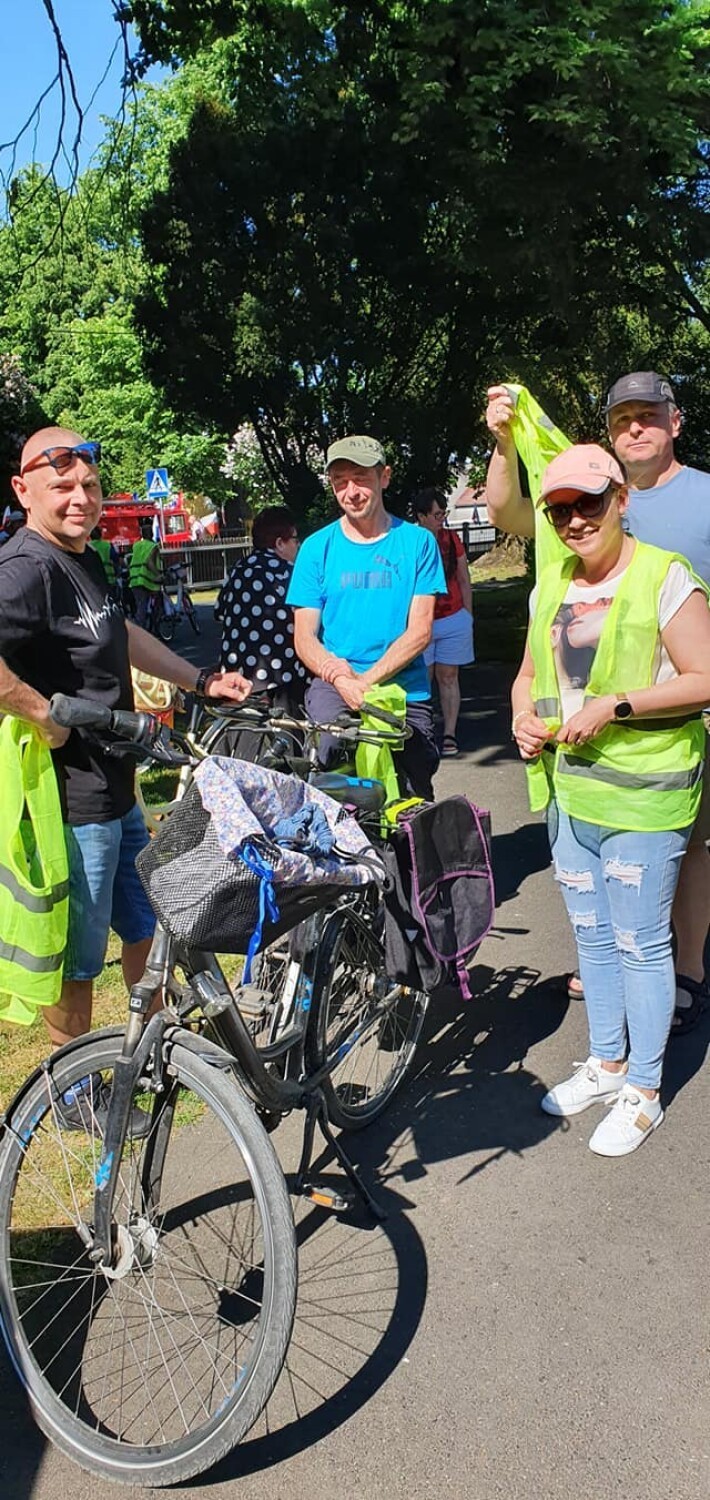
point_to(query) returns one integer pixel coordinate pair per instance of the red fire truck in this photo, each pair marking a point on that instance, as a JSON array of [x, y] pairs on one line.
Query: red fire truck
[[122, 514]]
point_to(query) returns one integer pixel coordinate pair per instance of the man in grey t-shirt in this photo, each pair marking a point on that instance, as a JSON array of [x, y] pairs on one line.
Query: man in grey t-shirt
[[669, 506]]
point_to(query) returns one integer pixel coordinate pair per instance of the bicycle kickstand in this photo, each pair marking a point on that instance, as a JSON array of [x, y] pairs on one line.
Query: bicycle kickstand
[[316, 1114]]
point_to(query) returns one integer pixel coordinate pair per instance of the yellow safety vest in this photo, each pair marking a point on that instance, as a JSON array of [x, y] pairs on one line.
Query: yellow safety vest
[[103, 550], [537, 441], [34, 875], [642, 775], [140, 576]]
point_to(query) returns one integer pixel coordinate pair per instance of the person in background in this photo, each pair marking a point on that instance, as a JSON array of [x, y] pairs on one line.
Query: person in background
[[451, 644], [669, 507], [608, 718], [144, 572], [110, 560], [257, 624], [11, 522]]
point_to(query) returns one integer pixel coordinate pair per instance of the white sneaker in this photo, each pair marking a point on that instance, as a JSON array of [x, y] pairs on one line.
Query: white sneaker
[[626, 1126], [590, 1084]]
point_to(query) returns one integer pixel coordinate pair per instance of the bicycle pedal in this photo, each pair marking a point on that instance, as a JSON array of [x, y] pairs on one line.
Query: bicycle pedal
[[325, 1197]]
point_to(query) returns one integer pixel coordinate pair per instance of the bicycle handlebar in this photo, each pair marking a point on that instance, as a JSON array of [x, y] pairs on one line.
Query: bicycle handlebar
[[79, 713], [139, 732]]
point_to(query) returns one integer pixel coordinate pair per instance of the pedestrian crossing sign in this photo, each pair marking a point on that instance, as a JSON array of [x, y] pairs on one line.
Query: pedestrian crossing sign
[[157, 484]]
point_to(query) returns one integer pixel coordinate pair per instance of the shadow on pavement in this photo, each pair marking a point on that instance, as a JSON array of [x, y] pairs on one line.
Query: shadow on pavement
[[362, 1287], [23, 1445]]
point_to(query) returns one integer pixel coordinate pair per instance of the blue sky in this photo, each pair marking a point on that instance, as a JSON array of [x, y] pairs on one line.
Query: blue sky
[[29, 62]]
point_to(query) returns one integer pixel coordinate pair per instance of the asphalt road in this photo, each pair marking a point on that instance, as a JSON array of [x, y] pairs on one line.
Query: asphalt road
[[532, 1319]]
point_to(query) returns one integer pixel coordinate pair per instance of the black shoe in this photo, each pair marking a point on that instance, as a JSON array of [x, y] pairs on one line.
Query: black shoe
[[85, 1107]]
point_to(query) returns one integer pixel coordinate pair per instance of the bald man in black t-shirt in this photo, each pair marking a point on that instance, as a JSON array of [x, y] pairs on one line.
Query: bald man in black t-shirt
[[60, 631]]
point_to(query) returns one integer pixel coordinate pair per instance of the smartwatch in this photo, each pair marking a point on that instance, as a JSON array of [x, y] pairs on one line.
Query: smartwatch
[[622, 709]]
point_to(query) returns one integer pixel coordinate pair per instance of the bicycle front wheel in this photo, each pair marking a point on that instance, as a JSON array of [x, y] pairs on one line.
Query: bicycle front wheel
[[191, 612], [148, 1371], [166, 627], [361, 1021]]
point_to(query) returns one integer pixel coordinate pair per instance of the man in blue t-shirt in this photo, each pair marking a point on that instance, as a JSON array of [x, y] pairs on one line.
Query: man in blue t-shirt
[[363, 591]]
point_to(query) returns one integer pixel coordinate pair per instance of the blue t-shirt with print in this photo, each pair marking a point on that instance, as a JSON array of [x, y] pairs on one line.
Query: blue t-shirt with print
[[676, 517], [364, 590]]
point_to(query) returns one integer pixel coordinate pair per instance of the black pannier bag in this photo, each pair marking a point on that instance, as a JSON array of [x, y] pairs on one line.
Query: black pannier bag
[[440, 899]]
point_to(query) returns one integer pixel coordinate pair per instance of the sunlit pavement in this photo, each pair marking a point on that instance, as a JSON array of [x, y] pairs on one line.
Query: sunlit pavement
[[532, 1319]]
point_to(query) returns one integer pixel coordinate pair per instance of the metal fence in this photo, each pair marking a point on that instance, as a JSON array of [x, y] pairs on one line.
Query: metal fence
[[476, 539], [207, 563]]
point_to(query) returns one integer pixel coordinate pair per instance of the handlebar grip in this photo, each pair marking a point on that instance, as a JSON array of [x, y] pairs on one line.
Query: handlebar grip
[[384, 714], [77, 713]]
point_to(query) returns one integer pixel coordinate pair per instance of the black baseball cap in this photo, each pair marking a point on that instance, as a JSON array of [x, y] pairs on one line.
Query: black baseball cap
[[643, 385]]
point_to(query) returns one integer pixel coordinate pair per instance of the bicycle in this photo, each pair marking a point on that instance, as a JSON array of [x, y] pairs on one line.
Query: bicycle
[[161, 617], [148, 1271], [183, 605]]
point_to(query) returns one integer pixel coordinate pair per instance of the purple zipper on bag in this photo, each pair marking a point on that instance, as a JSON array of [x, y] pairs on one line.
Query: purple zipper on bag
[[420, 906]]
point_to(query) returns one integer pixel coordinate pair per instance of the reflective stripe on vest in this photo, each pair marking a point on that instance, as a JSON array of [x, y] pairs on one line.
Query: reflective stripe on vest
[[34, 875], [648, 778]]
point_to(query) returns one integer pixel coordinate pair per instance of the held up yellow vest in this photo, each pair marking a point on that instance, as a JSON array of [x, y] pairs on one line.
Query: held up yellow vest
[[34, 875], [641, 775], [537, 442]]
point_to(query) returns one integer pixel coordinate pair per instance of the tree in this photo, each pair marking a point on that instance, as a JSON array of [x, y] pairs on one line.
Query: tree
[[70, 263], [390, 204], [20, 411]]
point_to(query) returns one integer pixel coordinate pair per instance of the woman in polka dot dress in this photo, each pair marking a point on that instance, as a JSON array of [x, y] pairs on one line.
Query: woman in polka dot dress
[[257, 625]]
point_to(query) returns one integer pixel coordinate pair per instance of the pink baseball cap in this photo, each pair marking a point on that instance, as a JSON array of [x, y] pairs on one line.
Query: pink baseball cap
[[586, 468]]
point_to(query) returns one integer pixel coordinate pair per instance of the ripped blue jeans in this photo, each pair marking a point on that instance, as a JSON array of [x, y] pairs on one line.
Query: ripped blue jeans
[[618, 889]]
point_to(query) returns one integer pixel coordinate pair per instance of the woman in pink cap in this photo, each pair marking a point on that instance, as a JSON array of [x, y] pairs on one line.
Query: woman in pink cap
[[607, 715]]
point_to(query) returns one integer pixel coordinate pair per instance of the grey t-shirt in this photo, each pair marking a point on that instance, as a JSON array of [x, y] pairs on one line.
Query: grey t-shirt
[[675, 516]]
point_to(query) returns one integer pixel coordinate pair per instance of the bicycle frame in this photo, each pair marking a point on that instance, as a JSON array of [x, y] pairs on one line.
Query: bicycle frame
[[150, 1041]]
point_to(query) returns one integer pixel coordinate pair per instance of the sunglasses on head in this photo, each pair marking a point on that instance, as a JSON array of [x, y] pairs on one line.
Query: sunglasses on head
[[589, 507], [61, 458]]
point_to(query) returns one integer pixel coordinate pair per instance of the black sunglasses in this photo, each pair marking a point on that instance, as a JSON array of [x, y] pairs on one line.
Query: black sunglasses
[[589, 507], [61, 459]]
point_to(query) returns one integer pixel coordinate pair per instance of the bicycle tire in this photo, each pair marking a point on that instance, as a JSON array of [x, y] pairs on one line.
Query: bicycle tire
[[191, 612], [212, 1275], [348, 1011], [166, 627]]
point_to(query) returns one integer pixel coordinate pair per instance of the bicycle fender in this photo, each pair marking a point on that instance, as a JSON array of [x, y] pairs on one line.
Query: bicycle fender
[[47, 1065]]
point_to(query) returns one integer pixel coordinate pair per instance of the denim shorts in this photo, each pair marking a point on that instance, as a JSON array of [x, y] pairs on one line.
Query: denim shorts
[[104, 891]]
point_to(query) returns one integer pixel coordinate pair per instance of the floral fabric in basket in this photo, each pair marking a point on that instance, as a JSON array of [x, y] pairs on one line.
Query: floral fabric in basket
[[246, 802]]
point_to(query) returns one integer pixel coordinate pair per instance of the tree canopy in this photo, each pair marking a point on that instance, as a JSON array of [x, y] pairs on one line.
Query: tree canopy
[[390, 205], [338, 216]]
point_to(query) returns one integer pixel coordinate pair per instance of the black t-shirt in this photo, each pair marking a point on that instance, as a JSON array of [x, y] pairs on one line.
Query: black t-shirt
[[62, 633]]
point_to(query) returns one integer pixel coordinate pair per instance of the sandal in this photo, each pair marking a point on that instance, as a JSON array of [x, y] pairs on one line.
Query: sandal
[[575, 988], [685, 1017], [449, 747]]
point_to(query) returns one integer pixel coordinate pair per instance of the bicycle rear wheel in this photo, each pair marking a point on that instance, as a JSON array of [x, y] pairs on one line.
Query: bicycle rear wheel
[[151, 1371], [361, 1018]]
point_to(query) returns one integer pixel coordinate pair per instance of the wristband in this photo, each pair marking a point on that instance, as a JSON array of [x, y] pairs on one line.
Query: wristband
[[203, 677]]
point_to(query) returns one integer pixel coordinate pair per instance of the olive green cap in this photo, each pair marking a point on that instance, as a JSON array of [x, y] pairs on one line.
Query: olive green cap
[[366, 451]]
